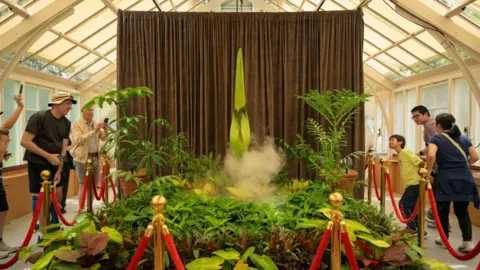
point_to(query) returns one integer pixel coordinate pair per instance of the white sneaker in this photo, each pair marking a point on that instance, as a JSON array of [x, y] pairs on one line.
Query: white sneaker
[[6, 248], [440, 243], [466, 246]]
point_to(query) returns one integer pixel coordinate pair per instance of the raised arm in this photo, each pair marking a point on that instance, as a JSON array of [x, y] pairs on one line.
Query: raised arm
[[8, 124]]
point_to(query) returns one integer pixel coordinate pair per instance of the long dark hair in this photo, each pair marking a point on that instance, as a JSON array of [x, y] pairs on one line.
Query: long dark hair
[[447, 122]]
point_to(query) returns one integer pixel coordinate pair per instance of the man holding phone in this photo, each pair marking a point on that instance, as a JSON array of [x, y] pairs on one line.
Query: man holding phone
[[86, 136]]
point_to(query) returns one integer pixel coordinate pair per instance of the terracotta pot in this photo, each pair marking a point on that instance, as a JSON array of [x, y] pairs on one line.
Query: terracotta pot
[[130, 186], [348, 181]]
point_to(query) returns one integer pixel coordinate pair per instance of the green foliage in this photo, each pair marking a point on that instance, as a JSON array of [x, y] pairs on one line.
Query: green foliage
[[338, 108], [80, 246]]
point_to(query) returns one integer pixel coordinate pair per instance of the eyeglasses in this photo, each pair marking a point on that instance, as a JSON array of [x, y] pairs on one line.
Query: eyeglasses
[[416, 116]]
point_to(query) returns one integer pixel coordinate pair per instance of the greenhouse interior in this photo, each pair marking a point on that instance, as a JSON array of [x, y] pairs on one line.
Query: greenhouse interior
[[246, 134]]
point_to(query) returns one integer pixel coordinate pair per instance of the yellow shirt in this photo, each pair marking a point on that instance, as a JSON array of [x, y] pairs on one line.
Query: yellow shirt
[[409, 167]]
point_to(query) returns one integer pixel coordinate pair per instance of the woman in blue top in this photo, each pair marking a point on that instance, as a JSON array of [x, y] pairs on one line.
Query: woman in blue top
[[454, 181]]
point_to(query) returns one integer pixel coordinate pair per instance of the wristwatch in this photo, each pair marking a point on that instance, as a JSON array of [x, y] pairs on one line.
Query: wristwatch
[[63, 159]]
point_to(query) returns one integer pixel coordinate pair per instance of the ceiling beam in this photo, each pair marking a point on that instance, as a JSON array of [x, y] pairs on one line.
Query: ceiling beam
[[381, 80], [28, 26], [449, 28], [98, 78], [38, 77], [457, 9], [110, 6], [16, 9]]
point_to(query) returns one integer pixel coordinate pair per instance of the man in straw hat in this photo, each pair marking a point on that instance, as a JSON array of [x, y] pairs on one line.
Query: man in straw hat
[[46, 139]]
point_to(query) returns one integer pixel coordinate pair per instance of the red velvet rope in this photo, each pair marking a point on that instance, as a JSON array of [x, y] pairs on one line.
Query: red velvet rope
[[400, 216], [94, 191], [349, 251], [173, 252], [374, 169], [102, 185], [59, 212], [84, 195], [139, 253], [321, 249], [28, 237], [472, 254], [114, 191]]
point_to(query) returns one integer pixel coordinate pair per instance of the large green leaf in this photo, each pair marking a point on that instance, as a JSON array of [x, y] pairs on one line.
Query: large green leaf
[[230, 254], [310, 223], [248, 253], [264, 262], [436, 265], [377, 242], [44, 261], [68, 255], [239, 83], [206, 264], [66, 266], [113, 235]]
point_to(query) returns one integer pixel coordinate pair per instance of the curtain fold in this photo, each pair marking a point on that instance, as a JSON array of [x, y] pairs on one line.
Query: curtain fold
[[188, 60]]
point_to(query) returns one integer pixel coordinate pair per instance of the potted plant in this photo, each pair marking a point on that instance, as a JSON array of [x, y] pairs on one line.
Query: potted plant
[[338, 108], [132, 141]]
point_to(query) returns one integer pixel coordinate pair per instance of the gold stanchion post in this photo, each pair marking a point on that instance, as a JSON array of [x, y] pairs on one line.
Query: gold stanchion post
[[370, 176], [336, 200], [106, 173], [45, 218], [383, 181], [421, 207], [90, 186], [158, 204]]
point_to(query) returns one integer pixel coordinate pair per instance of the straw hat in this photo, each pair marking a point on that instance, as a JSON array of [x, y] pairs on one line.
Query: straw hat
[[60, 97]]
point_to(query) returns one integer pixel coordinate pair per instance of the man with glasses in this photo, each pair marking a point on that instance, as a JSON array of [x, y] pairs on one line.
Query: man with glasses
[[421, 116]]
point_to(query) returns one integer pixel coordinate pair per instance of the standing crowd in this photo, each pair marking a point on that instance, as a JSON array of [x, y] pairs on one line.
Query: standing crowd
[[447, 156], [52, 143]]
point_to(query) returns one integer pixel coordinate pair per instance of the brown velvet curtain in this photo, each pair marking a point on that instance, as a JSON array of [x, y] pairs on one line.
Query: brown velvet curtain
[[188, 60]]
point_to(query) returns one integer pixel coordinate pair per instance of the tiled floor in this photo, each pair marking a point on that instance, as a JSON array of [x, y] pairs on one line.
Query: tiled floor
[[16, 229]]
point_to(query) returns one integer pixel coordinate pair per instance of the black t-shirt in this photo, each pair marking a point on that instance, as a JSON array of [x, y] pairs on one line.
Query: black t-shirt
[[49, 134]]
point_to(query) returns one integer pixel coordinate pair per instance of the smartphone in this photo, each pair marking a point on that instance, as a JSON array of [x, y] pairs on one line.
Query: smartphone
[[105, 120], [7, 155], [21, 89]]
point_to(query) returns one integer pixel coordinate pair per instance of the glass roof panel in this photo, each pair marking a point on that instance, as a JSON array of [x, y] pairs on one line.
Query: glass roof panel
[[398, 53], [71, 56], [348, 4], [365, 56], [143, 6], [42, 41], [84, 62], [92, 25], [10, 24], [329, 5], [97, 66], [473, 12], [375, 38], [385, 10], [462, 22], [56, 49], [385, 59], [112, 56], [428, 39], [387, 30], [101, 36], [377, 66], [82, 11], [112, 43], [123, 4], [368, 48], [307, 6], [417, 49]]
